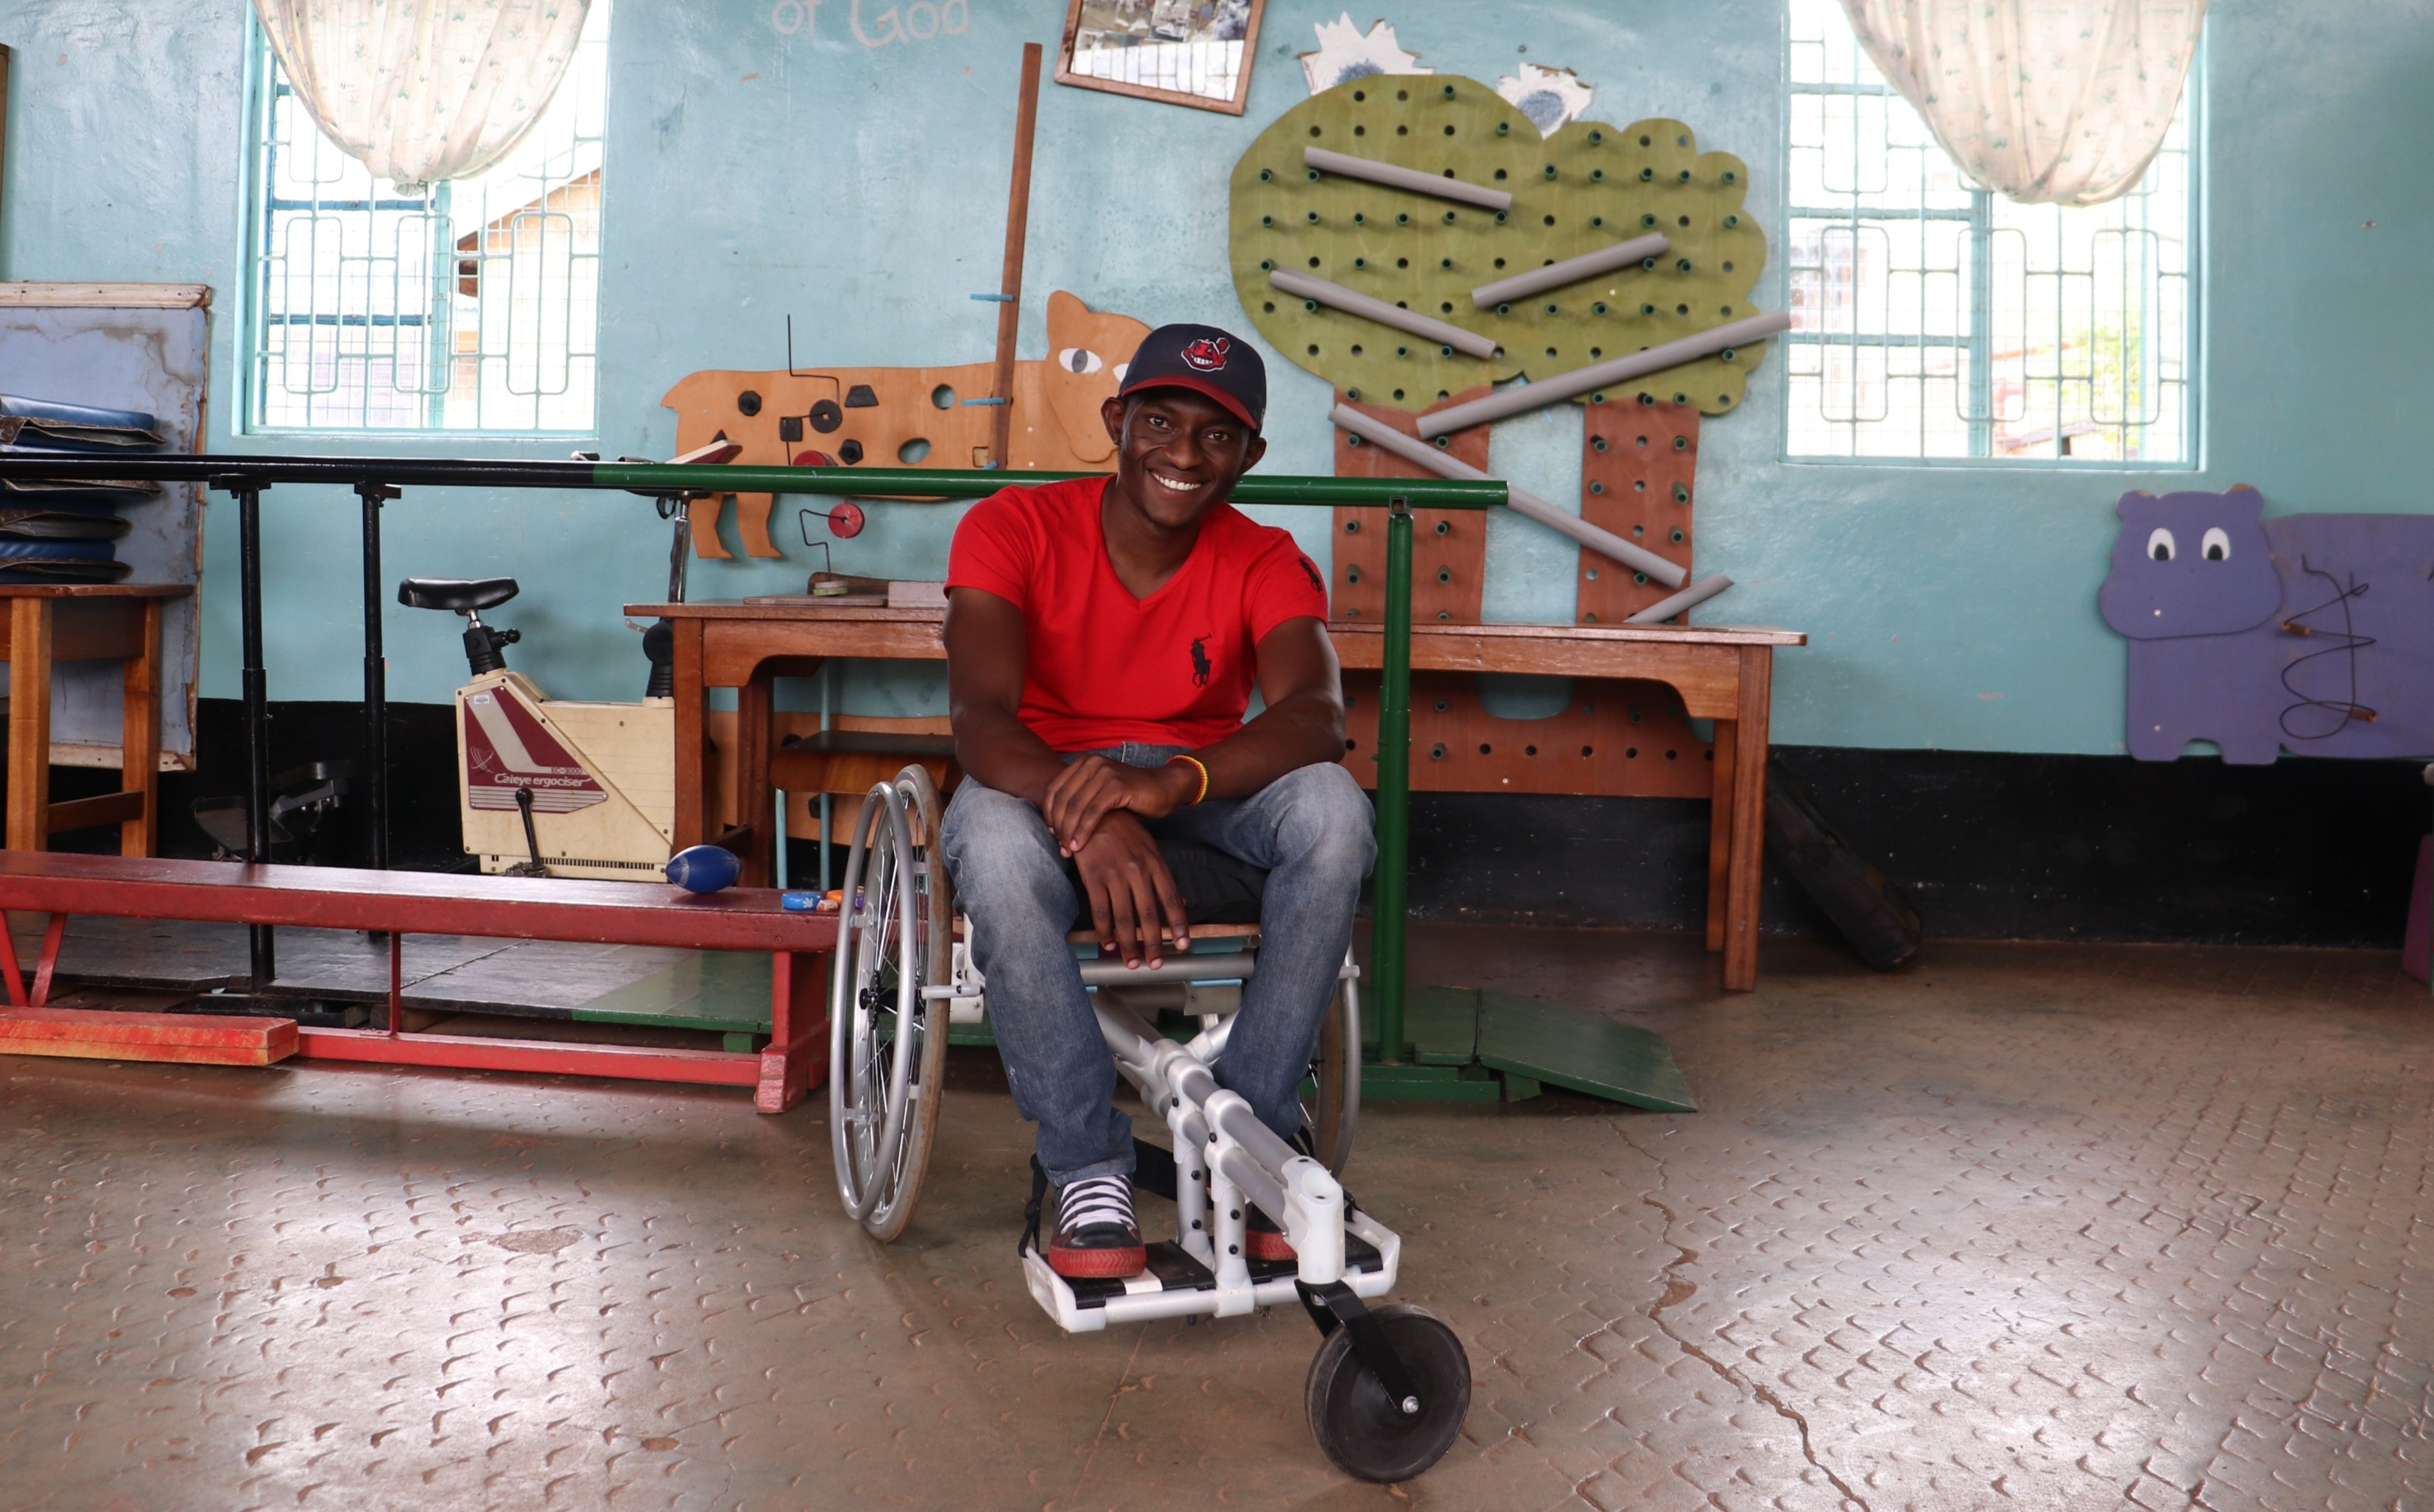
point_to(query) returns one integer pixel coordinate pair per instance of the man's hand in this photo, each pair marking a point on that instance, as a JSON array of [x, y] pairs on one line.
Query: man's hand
[[1130, 890], [1087, 791]]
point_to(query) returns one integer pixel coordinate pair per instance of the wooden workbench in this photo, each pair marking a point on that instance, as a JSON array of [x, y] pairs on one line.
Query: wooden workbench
[[1722, 674], [49, 623]]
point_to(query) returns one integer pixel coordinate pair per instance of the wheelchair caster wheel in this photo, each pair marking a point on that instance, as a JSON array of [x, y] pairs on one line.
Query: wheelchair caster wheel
[[1366, 1434]]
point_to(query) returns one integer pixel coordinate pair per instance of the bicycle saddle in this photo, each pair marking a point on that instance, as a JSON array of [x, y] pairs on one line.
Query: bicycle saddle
[[456, 594]]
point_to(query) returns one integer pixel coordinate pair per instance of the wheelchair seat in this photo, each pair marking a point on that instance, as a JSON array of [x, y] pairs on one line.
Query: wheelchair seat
[[456, 594], [1217, 889]]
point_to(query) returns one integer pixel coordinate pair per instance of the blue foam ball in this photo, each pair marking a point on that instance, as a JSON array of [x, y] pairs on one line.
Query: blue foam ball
[[704, 868]]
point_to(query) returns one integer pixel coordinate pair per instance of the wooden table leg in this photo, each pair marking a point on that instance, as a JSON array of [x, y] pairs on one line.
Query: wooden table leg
[[1749, 820], [695, 822], [797, 1057], [755, 799], [29, 723], [15, 984], [139, 738], [1719, 830]]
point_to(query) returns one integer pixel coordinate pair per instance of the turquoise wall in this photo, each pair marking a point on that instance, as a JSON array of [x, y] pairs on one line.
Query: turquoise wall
[[754, 173]]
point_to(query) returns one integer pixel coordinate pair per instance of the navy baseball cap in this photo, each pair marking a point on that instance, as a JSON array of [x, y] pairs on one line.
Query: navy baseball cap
[[1206, 360]]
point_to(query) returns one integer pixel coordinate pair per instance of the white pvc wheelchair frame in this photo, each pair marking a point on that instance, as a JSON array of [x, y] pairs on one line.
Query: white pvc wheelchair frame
[[1218, 1135], [1224, 1155]]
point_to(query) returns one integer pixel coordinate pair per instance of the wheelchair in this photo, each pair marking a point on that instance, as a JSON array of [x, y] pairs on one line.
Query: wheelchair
[[1390, 1387]]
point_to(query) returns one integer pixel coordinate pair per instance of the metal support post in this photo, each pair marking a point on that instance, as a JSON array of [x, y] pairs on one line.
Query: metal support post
[[1982, 325], [828, 685], [375, 675], [257, 716], [660, 641], [1393, 889]]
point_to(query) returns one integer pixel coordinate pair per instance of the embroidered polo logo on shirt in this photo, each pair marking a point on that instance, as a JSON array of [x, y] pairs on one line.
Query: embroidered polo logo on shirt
[[1208, 354], [1200, 668], [1317, 585]]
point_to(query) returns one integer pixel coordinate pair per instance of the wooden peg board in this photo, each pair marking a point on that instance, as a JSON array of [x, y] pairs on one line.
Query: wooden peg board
[[907, 417], [1639, 465], [1617, 739], [886, 416], [1449, 546], [1589, 186]]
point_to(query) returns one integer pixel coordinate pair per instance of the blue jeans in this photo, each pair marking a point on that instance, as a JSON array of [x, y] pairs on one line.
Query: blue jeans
[[1310, 830]]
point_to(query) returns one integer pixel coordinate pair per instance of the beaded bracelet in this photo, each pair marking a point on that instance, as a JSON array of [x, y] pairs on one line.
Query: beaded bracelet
[[1199, 767]]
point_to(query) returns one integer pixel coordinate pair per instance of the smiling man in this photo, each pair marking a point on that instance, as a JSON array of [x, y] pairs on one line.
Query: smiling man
[[1102, 639]]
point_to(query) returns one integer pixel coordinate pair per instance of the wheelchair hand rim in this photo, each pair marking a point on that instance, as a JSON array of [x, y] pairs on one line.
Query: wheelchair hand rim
[[1348, 1110], [904, 1154], [871, 1153], [863, 1175], [842, 1010]]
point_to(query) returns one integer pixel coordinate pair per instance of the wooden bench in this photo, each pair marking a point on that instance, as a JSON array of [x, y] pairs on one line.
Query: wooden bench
[[414, 902]]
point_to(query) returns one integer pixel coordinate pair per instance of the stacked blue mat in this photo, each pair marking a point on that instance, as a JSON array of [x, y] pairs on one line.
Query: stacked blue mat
[[60, 531]]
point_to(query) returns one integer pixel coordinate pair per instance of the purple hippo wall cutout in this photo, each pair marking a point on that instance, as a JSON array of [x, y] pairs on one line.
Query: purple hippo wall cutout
[[2311, 633]]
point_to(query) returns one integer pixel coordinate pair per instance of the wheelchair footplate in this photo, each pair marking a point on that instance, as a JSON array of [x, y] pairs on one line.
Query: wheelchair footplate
[[1177, 1285]]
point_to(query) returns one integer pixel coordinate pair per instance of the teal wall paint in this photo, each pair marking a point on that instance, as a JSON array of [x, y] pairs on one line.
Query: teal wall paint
[[754, 173]]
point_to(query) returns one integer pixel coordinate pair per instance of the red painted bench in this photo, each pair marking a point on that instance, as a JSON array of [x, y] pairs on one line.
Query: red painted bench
[[417, 902]]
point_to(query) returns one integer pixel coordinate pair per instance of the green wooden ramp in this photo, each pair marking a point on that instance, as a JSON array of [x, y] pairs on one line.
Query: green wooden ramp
[[1471, 1042]]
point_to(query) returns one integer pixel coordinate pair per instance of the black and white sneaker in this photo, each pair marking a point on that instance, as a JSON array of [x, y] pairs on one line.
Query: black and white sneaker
[[1097, 1236]]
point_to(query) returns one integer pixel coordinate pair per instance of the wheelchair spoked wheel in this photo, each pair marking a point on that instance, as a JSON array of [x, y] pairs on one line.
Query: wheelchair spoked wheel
[[1365, 1433], [887, 1041]]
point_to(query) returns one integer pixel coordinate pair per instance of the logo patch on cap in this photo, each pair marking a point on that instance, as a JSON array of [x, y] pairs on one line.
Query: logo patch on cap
[[1206, 353]]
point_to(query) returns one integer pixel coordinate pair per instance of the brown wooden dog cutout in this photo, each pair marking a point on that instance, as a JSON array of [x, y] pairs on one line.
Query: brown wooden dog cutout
[[907, 417]]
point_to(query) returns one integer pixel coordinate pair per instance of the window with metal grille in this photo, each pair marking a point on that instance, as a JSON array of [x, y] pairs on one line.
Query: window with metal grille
[[1934, 320], [464, 306]]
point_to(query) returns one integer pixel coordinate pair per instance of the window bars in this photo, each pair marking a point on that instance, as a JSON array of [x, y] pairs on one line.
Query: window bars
[[1933, 320], [464, 306]]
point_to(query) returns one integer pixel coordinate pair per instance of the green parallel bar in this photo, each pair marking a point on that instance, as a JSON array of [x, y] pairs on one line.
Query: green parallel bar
[[228, 470], [952, 483], [1394, 790]]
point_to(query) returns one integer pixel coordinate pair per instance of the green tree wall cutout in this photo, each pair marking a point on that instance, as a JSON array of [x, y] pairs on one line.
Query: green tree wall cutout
[[1586, 188]]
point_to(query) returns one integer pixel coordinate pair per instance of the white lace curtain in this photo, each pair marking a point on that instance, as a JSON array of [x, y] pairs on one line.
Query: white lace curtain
[[2058, 102], [420, 90]]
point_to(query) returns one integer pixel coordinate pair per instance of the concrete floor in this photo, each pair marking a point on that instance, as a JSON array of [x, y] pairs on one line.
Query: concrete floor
[[2027, 1227]]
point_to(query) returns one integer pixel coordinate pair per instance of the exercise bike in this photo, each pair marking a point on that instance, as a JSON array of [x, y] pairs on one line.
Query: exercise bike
[[562, 788], [1390, 1387]]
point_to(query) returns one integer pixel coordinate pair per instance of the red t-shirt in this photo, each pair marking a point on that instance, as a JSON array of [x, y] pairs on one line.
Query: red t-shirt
[[1102, 668]]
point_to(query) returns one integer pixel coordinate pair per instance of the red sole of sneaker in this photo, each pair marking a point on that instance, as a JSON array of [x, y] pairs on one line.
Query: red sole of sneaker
[[1097, 1264], [1267, 1246]]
